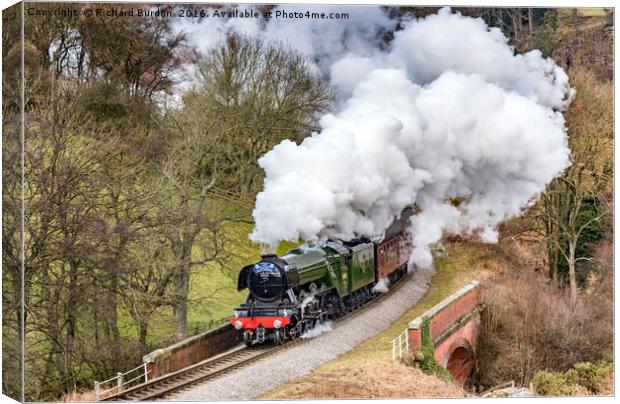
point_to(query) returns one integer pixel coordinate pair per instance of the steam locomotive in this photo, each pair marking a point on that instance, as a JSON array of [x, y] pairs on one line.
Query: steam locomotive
[[291, 294]]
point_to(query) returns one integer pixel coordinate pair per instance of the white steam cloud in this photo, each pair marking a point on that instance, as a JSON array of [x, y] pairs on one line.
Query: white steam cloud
[[448, 119], [324, 41], [447, 41]]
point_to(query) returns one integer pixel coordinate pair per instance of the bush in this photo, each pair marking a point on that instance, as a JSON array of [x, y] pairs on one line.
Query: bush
[[583, 379], [554, 384], [428, 364], [593, 377]]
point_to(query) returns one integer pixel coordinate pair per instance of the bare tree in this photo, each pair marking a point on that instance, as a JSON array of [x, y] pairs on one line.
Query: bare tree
[[250, 96], [262, 93], [190, 212], [141, 53], [590, 128]]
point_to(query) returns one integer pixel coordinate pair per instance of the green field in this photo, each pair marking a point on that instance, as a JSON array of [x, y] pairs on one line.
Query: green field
[[213, 291]]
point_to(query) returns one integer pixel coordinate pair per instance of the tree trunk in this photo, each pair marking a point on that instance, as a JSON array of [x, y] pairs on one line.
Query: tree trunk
[[71, 321], [554, 257], [551, 204], [571, 271], [111, 304], [182, 290], [143, 327], [180, 308], [111, 314]]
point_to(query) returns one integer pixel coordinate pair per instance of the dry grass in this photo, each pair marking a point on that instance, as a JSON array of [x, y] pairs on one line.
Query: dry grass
[[80, 396], [584, 12], [376, 380], [607, 387]]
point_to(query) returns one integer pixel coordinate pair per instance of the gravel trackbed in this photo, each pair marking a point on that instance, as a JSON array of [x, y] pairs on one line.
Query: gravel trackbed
[[288, 364]]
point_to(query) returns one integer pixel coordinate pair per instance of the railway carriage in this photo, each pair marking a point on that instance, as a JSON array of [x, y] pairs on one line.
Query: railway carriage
[[392, 253], [293, 293]]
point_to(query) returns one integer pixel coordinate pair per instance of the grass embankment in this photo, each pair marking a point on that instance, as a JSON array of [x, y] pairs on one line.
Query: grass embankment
[[367, 371]]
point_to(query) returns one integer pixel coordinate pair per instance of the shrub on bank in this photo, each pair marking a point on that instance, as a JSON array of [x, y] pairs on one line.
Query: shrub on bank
[[583, 379], [555, 384], [592, 376]]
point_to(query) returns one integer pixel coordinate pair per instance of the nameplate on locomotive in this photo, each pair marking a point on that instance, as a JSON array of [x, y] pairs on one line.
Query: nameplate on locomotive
[[266, 269]]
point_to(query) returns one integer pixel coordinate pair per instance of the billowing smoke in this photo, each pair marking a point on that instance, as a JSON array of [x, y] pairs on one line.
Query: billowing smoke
[[448, 119]]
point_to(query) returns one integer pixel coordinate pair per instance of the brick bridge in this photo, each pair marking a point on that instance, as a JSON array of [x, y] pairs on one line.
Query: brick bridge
[[453, 329]]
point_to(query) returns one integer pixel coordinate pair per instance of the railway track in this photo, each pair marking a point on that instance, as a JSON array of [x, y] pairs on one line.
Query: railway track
[[207, 369], [221, 364]]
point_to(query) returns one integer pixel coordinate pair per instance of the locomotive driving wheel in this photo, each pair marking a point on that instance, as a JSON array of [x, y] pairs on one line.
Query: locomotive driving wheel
[[294, 331], [323, 317], [247, 338], [278, 337]]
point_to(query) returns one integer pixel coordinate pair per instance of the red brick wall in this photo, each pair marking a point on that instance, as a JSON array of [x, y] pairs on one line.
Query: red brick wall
[[415, 338], [449, 315], [442, 320], [456, 351], [192, 350], [468, 332]]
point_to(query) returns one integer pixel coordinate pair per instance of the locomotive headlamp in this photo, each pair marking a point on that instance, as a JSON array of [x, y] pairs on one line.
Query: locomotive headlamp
[[277, 324], [238, 324]]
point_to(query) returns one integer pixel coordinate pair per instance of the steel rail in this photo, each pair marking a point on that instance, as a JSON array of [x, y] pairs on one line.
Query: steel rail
[[209, 368]]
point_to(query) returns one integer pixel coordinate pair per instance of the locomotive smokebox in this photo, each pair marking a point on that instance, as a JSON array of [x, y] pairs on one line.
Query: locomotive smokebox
[[266, 281]]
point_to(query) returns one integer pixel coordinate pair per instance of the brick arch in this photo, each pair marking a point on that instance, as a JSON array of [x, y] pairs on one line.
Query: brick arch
[[462, 342], [461, 361]]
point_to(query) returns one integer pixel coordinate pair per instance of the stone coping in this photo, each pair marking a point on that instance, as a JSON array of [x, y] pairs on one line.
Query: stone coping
[[150, 357]]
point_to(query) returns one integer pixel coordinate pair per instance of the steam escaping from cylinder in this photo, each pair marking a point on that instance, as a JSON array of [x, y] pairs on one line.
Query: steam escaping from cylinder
[[317, 330], [382, 286], [448, 119]]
